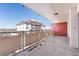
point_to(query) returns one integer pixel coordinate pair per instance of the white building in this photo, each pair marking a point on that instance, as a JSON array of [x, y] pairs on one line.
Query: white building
[[23, 27], [29, 25]]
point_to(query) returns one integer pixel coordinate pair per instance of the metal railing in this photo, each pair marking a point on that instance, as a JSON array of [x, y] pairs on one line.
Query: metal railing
[[13, 42]]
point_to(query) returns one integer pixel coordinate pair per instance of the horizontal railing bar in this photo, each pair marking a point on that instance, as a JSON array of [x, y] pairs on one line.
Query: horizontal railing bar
[[17, 31]]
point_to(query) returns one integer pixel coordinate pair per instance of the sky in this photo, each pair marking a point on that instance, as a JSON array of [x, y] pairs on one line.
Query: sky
[[13, 13]]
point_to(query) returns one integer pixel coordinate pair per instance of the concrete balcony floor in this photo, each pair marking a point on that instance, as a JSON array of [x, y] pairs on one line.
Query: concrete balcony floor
[[52, 46]]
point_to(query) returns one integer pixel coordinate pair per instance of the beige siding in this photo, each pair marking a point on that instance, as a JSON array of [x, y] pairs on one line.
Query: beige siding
[[48, 33], [32, 38], [9, 44], [35, 37]]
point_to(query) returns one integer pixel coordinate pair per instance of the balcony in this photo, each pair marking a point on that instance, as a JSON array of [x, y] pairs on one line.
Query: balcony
[[12, 44]]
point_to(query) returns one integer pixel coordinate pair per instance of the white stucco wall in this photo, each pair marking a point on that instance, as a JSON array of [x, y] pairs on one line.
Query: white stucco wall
[[74, 27], [22, 27]]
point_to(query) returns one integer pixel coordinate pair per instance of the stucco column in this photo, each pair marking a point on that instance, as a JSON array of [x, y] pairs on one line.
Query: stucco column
[[73, 27]]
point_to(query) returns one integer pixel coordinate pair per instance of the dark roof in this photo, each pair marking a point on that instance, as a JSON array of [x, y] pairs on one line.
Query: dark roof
[[30, 22]]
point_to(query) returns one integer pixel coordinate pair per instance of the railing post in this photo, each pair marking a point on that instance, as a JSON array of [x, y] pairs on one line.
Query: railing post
[[39, 34], [22, 40], [50, 32], [46, 33]]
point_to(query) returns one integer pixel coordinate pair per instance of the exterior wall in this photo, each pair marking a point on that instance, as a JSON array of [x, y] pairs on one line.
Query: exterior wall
[[23, 27], [60, 29]]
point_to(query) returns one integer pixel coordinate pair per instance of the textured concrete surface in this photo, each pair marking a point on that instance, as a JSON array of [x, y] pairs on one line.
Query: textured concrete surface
[[53, 46]]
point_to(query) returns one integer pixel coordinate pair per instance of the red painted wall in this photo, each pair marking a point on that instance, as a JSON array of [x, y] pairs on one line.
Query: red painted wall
[[60, 29]]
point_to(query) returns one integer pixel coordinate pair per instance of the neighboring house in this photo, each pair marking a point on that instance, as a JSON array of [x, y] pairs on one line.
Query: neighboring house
[[29, 25]]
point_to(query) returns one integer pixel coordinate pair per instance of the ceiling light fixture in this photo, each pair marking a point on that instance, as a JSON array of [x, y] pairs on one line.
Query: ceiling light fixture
[[56, 13]]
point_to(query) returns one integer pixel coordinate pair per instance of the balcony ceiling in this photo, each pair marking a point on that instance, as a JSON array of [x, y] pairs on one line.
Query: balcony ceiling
[[48, 10]]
